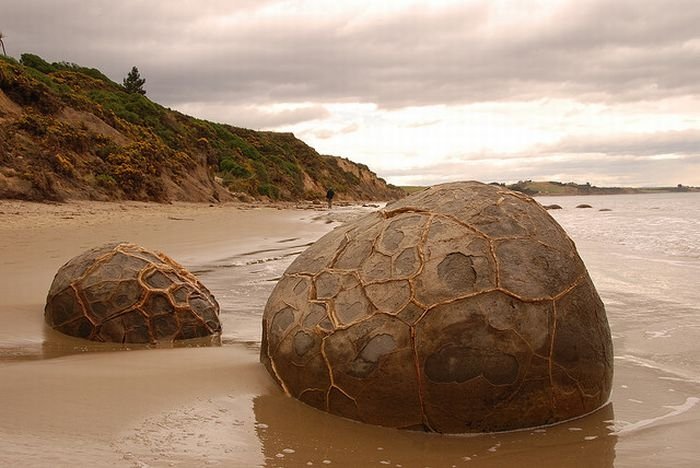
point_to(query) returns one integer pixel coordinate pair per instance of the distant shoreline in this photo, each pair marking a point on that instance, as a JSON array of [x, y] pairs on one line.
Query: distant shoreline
[[551, 189], [621, 191], [533, 189]]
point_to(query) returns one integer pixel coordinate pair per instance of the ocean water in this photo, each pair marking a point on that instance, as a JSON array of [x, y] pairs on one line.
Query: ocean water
[[243, 281]]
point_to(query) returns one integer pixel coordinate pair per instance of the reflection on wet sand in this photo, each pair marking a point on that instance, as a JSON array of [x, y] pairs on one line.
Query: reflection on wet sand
[[293, 434], [53, 344]]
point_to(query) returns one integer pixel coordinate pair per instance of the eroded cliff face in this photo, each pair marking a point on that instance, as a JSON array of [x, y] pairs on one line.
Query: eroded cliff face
[[68, 132]]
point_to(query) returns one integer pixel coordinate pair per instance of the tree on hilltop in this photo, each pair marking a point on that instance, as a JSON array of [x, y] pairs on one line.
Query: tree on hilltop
[[2, 44], [133, 83]]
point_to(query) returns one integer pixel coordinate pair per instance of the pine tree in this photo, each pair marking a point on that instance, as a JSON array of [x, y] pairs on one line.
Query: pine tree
[[133, 82]]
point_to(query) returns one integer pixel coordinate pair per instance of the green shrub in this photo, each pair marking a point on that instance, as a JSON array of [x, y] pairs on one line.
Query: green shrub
[[91, 72], [34, 124], [232, 167], [269, 190], [66, 136], [261, 172], [105, 180], [8, 59], [25, 90], [133, 108], [41, 76], [250, 152], [137, 168], [291, 168], [62, 165], [37, 63], [103, 151]]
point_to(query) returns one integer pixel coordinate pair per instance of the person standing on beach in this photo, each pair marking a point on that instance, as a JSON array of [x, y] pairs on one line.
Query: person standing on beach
[[329, 196]]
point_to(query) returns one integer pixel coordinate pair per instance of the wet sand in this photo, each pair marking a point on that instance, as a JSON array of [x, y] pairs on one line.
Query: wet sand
[[65, 402]]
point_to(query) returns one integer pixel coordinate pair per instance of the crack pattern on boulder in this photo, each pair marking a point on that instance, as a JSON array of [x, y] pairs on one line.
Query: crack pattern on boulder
[[123, 293], [464, 308]]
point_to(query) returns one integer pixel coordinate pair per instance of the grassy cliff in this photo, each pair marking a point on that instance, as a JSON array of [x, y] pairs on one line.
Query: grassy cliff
[[68, 131]]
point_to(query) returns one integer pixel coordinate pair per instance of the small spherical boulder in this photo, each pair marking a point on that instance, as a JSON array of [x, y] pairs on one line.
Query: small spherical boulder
[[123, 293], [463, 308]]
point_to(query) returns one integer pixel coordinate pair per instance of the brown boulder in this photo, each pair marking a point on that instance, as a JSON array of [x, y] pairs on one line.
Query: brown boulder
[[124, 293], [463, 308]]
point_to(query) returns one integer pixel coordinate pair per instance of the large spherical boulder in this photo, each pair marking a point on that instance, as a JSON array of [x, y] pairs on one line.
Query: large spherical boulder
[[124, 293], [463, 308]]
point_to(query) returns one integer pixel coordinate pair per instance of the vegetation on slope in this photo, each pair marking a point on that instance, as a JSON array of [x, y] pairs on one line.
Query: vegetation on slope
[[68, 131]]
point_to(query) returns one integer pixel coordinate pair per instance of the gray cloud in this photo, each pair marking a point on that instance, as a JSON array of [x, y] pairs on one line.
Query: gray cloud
[[681, 142], [601, 170], [628, 159], [323, 133], [255, 117], [422, 123], [188, 51], [326, 133]]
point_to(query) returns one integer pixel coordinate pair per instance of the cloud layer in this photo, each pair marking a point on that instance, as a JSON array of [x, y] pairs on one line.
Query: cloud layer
[[280, 64], [249, 52]]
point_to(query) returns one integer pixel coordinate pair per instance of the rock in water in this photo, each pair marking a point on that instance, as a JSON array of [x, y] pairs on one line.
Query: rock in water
[[463, 308], [124, 293]]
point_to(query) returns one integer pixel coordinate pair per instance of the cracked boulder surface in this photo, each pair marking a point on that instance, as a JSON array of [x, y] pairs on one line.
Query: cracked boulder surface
[[123, 293], [463, 308]]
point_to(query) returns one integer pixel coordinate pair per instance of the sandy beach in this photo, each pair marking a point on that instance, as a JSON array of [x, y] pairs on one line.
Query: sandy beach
[[67, 402], [79, 408]]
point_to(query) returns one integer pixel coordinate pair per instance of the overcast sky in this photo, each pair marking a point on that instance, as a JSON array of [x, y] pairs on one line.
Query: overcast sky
[[606, 92]]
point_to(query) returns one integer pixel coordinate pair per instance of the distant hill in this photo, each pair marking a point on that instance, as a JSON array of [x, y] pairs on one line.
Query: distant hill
[[69, 132], [532, 188]]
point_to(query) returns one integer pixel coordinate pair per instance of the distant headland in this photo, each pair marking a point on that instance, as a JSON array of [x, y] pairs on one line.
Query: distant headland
[[534, 188], [553, 188]]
